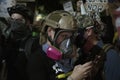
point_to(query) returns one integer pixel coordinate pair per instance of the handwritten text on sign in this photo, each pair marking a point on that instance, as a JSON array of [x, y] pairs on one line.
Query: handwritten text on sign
[[96, 5]]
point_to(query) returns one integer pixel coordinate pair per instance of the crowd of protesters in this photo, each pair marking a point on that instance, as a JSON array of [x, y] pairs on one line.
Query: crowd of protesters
[[61, 46]]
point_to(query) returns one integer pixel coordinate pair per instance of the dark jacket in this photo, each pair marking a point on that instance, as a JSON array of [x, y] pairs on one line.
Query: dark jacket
[[16, 58], [15, 61], [39, 66]]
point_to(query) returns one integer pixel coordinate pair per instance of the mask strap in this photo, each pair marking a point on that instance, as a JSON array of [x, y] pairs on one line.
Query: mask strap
[[56, 32]]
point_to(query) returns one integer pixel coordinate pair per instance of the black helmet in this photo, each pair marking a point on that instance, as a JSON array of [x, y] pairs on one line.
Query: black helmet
[[21, 9]]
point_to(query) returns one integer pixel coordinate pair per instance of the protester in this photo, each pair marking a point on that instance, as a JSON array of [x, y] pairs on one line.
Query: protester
[[104, 57], [17, 35], [56, 55]]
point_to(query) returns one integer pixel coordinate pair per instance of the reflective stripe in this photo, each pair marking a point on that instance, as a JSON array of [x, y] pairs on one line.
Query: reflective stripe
[[64, 75]]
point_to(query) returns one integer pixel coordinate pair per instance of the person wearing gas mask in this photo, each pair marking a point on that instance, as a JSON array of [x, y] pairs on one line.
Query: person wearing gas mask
[[17, 34], [56, 55], [105, 59], [20, 21]]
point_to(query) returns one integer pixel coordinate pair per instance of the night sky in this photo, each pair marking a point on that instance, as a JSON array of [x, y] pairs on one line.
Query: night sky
[[50, 5]]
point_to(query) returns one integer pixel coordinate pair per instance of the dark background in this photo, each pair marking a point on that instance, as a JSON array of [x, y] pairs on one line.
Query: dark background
[[51, 5]]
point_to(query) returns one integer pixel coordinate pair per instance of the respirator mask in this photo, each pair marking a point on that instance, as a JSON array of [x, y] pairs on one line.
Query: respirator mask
[[61, 55], [61, 50], [17, 29]]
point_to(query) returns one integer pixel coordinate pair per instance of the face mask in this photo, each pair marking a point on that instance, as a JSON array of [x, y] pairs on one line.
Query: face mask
[[17, 30], [17, 26], [64, 51]]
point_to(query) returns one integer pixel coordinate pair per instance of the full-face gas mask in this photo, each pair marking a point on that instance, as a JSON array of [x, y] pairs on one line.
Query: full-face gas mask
[[61, 50], [66, 45]]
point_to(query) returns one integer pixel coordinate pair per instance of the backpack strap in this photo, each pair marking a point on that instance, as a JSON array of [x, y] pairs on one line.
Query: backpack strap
[[28, 46], [106, 47], [31, 44]]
